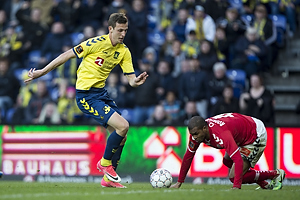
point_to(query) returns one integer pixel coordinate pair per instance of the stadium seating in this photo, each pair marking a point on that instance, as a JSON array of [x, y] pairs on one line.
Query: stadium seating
[[281, 28], [238, 78], [238, 4]]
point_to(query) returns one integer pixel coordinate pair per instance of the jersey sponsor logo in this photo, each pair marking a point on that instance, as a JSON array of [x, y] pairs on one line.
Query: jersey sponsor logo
[[79, 49], [191, 145], [99, 61], [106, 109], [116, 55], [245, 151]]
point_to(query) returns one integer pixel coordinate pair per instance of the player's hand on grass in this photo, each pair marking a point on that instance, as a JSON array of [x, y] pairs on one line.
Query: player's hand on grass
[[33, 74], [176, 185], [141, 78]]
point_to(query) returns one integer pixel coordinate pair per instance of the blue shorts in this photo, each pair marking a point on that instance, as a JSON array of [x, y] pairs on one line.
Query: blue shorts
[[97, 104]]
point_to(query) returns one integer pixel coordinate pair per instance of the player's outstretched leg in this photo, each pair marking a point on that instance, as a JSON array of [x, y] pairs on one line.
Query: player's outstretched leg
[[276, 182], [107, 183]]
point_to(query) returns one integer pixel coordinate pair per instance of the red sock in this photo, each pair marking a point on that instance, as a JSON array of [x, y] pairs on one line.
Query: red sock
[[255, 176]]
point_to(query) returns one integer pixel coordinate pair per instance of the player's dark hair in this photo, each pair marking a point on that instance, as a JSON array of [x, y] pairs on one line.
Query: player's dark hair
[[196, 121], [115, 18]]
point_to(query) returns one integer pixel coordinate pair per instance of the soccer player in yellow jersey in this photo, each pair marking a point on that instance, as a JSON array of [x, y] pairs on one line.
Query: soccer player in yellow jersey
[[100, 55]]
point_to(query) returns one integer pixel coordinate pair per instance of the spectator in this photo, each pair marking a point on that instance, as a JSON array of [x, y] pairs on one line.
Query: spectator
[[164, 13], [208, 56], [33, 30], [53, 44], [221, 45], [190, 5], [172, 105], [176, 58], [67, 107], [159, 117], [117, 6], [69, 68], [191, 83], [45, 6], [3, 22], [258, 101], [9, 87], [267, 33], [166, 81], [101, 31], [11, 46], [216, 8], [139, 24], [113, 89], [249, 51], [18, 115], [147, 93], [203, 24], [127, 93], [191, 47], [90, 12], [11, 7], [289, 8], [36, 103], [217, 83], [66, 11], [88, 32], [166, 48], [234, 28], [190, 110], [233, 25], [179, 24], [49, 114], [150, 55], [227, 103]]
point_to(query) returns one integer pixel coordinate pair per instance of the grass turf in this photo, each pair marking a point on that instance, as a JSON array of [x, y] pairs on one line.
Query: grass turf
[[138, 191]]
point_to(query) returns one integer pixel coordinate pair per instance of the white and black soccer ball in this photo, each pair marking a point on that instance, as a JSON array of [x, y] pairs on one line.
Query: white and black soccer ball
[[161, 178]]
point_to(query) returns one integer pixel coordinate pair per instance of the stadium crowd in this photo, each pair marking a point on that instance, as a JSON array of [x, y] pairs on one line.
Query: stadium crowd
[[188, 48]]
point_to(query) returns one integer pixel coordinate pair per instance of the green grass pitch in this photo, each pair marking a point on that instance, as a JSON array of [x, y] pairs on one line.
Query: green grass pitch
[[138, 191]]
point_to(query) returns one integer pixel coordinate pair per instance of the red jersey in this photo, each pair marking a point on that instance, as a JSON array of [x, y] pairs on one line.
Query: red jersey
[[227, 131]]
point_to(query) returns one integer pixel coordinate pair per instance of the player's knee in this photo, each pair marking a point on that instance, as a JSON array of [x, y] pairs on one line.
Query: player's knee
[[123, 141], [123, 128]]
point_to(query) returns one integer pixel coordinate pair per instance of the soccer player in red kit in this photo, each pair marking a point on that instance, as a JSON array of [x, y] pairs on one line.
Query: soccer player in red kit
[[243, 137]]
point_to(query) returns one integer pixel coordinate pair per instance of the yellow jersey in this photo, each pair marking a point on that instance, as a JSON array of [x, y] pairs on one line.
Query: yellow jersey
[[99, 58]]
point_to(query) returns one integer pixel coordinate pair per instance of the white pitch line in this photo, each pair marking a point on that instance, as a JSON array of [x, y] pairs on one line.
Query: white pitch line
[[123, 192]]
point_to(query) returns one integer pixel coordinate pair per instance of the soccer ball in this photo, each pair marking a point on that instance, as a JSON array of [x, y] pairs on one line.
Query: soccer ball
[[161, 178]]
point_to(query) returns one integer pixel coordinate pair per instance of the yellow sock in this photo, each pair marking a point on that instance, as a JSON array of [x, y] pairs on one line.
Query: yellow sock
[[105, 162], [105, 178]]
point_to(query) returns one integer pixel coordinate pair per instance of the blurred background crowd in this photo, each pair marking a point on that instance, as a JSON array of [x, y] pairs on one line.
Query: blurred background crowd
[[203, 57]]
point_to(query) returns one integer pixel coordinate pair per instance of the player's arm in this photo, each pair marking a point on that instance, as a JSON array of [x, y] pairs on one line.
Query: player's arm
[[61, 59], [137, 81], [232, 150], [186, 162]]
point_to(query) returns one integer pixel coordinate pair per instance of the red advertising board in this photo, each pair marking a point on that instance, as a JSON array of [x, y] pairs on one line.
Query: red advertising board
[[52, 153], [288, 151]]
